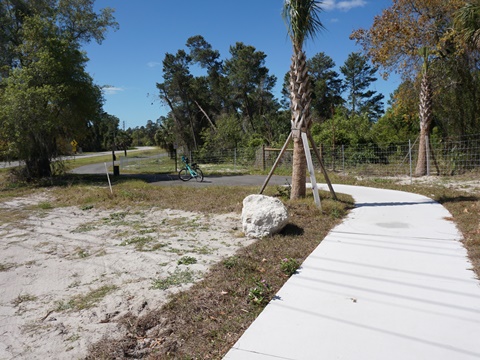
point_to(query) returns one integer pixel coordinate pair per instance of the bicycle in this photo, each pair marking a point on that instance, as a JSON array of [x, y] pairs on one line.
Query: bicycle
[[190, 171]]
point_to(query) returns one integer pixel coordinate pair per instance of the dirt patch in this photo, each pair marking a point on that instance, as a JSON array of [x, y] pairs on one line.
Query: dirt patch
[[68, 274]]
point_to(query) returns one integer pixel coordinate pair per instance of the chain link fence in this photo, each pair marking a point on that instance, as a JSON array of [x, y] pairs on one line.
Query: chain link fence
[[447, 158]]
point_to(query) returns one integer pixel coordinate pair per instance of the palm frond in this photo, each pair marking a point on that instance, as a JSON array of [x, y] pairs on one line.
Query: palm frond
[[467, 21], [302, 20]]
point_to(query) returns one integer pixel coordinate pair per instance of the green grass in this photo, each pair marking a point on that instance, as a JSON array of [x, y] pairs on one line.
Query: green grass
[[86, 301], [81, 160], [177, 278]]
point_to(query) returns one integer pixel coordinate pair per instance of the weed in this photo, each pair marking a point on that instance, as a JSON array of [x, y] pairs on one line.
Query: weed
[[284, 192], [117, 216], [75, 284], [82, 253], [23, 298], [86, 207], [203, 250], [147, 231], [6, 266], [157, 246], [177, 278], [87, 301], [187, 260], [45, 206], [74, 337], [260, 293], [289, 266], [230, 262], [84, 228], [140, 242]]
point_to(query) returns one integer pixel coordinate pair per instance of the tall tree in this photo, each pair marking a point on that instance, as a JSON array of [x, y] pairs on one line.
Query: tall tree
[[395, 38], [177, 92], [426, 116], [467, 21], [358, 79], [250, 83], [326, 85], [303, 22], [45, 68], [215, 100]]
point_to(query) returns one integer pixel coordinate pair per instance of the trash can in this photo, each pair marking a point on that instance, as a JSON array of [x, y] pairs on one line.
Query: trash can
[[116, 170]]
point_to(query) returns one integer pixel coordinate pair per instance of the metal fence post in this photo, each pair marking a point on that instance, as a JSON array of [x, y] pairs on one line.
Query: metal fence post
[[235, 159], [264, 165], [427, 150], [410, 159]]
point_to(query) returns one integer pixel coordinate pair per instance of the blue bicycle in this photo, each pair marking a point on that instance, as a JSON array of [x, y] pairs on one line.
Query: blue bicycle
[[190, 171]]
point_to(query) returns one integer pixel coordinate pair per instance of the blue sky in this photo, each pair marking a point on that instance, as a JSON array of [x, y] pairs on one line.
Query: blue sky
[[130, 59]]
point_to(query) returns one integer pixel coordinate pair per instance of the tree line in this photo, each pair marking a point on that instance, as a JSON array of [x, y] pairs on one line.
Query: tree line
[[232, 103], [47, 98]]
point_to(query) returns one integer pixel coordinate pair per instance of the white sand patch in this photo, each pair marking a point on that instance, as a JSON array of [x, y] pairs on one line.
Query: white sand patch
[[54, 263]]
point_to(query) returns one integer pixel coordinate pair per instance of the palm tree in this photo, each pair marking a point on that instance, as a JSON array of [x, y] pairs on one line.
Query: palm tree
[[467, 21], [426, 116], [302, 20]]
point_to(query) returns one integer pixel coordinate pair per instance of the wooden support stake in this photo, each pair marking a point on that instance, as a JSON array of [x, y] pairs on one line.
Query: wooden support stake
[[108, 177], [311, 170], [276, 163], [322, 167]]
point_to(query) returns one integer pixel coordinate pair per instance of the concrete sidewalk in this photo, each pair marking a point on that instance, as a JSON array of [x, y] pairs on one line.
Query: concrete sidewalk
[[391, 282]]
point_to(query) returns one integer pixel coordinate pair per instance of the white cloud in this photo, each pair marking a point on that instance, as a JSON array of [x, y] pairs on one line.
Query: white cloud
[[343, 5], [347, 5], [111, 90], [153, 64], [328, 4]]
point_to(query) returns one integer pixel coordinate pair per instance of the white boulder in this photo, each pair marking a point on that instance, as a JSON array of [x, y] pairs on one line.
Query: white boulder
[[263, 215]]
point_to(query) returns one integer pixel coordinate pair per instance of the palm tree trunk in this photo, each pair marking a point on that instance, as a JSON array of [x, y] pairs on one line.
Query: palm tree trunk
[[300, 95], [299, 170], [426, 117]]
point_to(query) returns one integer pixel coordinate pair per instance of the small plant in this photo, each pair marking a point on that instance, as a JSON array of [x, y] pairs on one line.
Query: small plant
[[6, 266], [140, 242], [284, 191], [87, 301], [86, 207], [289, 266], [177, 278], [84, 228], [259, 294], [187, 260], [45, 206], [230, 262], [23, 298], [82, 253], [118, 216]]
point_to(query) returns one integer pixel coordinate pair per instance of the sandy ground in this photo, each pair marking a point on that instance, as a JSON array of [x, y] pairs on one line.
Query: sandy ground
[[67, 274], [469, 186]]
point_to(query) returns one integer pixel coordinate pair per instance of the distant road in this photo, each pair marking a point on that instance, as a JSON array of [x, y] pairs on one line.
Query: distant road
[[6, 164]]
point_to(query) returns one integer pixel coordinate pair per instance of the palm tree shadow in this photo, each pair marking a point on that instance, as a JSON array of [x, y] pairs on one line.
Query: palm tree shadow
[[453, 199]]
